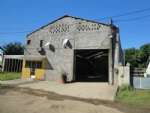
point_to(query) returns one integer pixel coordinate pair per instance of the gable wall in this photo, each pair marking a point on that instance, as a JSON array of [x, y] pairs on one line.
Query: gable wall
[[84, 39], [62, 59]]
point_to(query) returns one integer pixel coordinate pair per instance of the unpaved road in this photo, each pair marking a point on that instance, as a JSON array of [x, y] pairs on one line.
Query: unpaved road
[[23, 100]]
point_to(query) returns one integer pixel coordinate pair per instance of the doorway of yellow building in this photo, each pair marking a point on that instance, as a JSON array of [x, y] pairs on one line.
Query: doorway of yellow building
[[33, 65]]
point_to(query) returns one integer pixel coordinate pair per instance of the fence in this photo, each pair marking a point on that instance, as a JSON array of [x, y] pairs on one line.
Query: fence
[[12, 63], [141, 83], [137, 72], [138, 80]]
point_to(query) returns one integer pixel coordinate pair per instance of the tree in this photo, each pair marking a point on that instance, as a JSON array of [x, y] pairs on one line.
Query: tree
[[15, 48], [138, 57], [132, 56], [144, 54]]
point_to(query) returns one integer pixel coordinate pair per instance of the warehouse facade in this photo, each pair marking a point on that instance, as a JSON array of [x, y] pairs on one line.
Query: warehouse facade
[[79, 49]]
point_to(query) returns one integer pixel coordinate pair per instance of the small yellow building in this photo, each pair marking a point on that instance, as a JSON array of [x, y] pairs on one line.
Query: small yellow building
[[34, 67]]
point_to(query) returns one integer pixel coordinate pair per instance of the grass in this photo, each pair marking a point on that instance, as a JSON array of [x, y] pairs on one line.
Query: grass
[[9, 75], [130, 96]]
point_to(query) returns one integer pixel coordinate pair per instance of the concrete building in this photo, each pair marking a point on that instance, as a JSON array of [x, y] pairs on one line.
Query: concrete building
[[75, 48]]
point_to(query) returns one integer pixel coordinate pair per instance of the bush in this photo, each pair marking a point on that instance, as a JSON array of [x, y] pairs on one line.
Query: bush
[[125, 88]]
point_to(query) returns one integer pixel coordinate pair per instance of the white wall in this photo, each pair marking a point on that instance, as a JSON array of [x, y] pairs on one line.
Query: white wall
[[124, 75], [0, 60], [148, 69]]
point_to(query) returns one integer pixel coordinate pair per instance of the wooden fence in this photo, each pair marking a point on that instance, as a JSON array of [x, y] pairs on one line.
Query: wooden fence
[[137, 78], [137, 72]]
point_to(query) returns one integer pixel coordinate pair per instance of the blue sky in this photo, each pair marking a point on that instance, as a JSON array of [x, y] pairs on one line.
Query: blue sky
[[27, 15]]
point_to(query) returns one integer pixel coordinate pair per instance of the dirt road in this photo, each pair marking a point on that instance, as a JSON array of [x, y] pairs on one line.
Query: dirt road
[[22, 100]]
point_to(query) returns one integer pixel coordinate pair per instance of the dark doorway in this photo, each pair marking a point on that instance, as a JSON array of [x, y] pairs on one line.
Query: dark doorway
[[91, 65]]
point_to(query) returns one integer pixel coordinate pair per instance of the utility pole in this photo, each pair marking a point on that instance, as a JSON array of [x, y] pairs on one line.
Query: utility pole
[[111, 21]]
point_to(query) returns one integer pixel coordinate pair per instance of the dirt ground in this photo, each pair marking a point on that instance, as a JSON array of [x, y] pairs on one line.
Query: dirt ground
[[25, 100]]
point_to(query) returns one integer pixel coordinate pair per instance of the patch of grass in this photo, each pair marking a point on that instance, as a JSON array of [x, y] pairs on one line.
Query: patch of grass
[[128, 95], [9, 75]]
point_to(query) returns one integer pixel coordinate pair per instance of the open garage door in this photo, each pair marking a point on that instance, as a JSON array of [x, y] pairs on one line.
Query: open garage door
[[91, 65]]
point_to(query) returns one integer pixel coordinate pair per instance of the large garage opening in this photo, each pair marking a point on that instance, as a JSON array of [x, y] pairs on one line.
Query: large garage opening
[[91, 65]]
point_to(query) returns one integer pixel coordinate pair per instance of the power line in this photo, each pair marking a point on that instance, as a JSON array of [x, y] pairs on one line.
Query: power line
[[108, 17], [132, 19], [116, 21], [126, 14]]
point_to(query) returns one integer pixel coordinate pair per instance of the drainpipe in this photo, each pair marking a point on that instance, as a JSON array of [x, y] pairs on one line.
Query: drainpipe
[[110, 59], [114, 50]]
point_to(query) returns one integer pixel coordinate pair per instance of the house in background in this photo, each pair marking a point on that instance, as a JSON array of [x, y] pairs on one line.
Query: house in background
[[10, 63], [147, 74], [0, 61], [75, 48], [0, 58]]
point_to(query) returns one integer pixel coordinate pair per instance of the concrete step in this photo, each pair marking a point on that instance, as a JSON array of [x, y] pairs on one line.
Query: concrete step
[[91, 90], [94, 90]]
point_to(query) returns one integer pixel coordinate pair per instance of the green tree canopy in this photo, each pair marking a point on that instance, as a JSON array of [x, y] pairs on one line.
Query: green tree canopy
[[15, 48], [138, 57]]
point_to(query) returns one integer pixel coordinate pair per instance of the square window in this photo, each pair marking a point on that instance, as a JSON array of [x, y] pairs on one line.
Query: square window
[[28, 42]]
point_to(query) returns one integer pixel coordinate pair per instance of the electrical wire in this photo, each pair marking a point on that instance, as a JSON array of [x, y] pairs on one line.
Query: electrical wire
[[132, 19], [126, 14], [108, 17]]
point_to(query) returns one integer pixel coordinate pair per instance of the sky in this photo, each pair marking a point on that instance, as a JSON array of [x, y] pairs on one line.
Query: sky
[[19, 17]]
